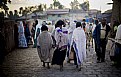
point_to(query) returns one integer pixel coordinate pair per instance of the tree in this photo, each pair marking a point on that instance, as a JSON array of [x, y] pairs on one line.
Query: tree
[[74, 4], [10, 15], [40, 7], [60, 7], [1, 19], [3, 4], [25, 11], [44, 6], [56, 5], [16, 14], [31, 8], [20, 10], [6, 11], [51, 6], [85, 6], [2, 14]]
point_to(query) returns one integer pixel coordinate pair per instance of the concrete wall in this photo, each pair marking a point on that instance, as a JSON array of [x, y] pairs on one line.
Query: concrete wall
[[77, 16]]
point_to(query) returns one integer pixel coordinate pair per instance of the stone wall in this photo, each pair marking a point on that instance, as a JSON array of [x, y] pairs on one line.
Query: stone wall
[[116, 14], [8, 33]]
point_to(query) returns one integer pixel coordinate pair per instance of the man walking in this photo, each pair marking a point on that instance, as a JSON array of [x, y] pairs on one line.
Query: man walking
[[79, 45], [100, 35]]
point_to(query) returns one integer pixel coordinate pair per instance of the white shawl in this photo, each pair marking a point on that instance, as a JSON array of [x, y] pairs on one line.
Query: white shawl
[[37, 26], [60, 37], [79, 44], [118, 34]]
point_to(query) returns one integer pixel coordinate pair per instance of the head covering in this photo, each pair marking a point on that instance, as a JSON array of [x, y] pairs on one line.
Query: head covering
[[20, 27], [44, 28], [44, 23], [75, 21], [78, 24], [21, 23], [60, 22], [36, 22]]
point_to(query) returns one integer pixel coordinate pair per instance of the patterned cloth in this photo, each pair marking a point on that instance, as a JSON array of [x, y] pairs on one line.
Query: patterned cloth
[[61, 43], [21, 36]]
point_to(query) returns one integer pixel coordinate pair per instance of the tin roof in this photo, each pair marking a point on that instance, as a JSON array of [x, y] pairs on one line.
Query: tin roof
[[57, 11]]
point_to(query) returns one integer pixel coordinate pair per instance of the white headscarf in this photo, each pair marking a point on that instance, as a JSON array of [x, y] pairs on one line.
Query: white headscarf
[[20, 27]]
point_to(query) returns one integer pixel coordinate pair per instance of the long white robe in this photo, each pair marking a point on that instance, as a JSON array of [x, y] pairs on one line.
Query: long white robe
[[79, 44], [70, 32], [71, 29], [21, 36], [37, 26]]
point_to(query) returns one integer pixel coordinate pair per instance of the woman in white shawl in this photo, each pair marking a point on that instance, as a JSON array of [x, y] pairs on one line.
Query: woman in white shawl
[[21, 36], [61, 44], [79, 44], [44, 46], [70, 32]]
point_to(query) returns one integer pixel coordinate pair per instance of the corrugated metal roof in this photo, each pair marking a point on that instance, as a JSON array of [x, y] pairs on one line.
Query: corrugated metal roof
[[77, 11], [57, 11]]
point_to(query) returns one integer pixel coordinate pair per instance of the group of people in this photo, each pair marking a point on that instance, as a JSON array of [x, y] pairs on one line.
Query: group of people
[[53, 47], [54, 44], [24, 35], [115, 45]]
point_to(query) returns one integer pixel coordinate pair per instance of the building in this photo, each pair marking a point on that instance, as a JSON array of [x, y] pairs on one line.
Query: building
[[35, 15], [56, 14], [93, 13], [64, 14], [77, 14], [107, 14]]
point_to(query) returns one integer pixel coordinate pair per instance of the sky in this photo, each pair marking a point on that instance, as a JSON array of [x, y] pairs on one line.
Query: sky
[[94, 4]]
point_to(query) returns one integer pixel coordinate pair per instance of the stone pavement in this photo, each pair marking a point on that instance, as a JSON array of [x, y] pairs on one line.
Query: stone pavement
[[26, 63]]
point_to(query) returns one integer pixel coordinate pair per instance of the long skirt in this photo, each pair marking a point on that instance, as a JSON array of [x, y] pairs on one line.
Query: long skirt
[[59, 57], [22, 40]]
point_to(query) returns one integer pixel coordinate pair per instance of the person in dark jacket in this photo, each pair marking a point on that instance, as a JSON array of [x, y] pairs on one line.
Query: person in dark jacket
[[100, 36], [27, 33]]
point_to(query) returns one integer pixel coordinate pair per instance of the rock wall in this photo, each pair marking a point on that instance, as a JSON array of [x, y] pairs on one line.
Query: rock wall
[[116, 14], [8, 33]]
